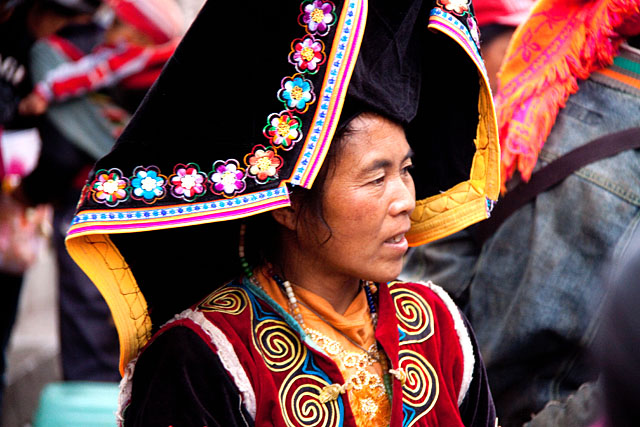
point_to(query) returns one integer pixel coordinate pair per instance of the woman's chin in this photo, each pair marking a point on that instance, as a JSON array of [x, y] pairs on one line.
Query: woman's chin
[[388, 275]]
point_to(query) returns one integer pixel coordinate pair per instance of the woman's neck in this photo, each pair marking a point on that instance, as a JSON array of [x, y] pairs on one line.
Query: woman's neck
[[338, 289], [340, 294]]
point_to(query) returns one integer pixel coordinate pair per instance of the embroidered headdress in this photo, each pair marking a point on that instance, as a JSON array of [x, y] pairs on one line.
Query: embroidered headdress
[[235, 121]]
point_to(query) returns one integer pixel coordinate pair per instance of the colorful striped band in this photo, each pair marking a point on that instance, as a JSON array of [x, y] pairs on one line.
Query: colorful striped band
[[342, 62], [624, 73]]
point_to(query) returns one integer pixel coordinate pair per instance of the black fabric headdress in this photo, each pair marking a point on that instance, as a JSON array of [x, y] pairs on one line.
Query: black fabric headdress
[[234, 121]]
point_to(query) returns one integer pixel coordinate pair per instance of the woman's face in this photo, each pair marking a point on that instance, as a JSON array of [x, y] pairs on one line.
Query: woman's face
[[368, 197]]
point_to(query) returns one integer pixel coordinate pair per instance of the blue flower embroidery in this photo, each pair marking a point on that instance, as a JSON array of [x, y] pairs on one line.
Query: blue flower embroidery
[[296, 93], [148, 185]]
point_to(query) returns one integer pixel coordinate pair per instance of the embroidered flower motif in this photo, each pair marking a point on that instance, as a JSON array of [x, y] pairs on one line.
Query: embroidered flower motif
[[187, 182], [473, 29], [317, 16], [148, 184], [109, 187], [263, 164], [307, 54], [296, 93], [283, 130], [228, 178], [459, 7]]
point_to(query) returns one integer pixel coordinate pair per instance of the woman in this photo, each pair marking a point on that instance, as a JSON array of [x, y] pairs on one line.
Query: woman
[[308, 331]]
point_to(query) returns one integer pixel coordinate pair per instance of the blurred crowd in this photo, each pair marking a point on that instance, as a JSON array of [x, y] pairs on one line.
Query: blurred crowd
[[549, 283], [72, 72]]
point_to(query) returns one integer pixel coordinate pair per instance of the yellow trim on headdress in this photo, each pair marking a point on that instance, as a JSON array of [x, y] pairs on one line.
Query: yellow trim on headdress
[[105, 266], [467, 202]]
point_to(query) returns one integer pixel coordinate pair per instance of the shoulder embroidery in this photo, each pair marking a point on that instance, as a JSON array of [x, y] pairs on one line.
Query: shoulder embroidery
[[279, 345], [415, 325], [284, 354], [228, 299], [461, 329], [414, 315], [300, 398], [420, 391]]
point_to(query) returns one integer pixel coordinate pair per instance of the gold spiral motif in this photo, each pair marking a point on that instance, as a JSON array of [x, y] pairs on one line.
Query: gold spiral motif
[[301, 406], [414, 315], [420, 390], [226, 300], [279, 345]]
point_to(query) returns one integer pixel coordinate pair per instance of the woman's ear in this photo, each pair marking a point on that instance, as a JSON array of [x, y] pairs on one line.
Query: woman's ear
[[287, 217]]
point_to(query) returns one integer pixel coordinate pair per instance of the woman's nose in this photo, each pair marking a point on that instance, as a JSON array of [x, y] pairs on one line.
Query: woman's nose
[[404, 197]]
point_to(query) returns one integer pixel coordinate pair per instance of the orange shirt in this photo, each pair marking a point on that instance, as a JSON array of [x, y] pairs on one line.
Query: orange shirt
[[362, 374]]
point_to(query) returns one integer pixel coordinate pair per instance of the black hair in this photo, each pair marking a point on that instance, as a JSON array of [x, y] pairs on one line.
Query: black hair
[[261, 238]]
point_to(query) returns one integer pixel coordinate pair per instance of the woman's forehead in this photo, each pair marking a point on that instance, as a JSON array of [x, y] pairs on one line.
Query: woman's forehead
[[375, 142]]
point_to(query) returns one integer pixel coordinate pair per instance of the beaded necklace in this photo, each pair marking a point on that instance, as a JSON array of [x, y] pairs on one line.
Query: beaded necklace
[[294, 309], [373, 354]]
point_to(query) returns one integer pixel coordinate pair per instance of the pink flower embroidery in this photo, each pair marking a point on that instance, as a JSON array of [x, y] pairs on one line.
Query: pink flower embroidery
[[109, 187], [307, 54], [283, 130], [227, 178], [187, 182], [527, 48], [263, 164], [317, 16]]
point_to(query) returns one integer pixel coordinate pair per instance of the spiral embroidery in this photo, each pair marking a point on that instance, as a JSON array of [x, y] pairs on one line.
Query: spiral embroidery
[[301, 405], [279, 345], [420, 390], [415, 319], [226, 300]]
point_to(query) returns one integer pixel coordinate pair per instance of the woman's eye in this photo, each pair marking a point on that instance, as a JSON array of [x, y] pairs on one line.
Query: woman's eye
[[407, 169], [378, 181]]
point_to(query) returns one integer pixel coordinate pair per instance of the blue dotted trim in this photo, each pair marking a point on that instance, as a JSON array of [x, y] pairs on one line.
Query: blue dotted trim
[[462, 31], [173, 211]]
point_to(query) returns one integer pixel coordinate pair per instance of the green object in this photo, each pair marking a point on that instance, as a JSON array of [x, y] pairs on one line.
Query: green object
[[77, 404], [628, 65]]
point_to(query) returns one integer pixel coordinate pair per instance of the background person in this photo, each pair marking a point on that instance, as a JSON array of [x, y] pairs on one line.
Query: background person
[[77, 132], [21, 24], [138, 42], [533, 290]]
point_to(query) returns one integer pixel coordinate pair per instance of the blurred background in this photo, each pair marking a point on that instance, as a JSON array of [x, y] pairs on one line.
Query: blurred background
[[34, 354]]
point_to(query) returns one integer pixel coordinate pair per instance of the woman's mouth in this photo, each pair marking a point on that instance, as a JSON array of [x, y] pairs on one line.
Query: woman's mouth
[[395, 239]]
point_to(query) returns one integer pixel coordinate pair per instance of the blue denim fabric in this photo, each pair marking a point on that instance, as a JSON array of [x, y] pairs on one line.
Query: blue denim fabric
[[533, 292]]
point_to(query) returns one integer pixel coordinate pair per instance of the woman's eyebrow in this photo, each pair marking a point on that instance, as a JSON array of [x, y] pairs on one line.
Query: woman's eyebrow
[[409, 155], [384, 163]]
